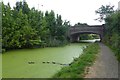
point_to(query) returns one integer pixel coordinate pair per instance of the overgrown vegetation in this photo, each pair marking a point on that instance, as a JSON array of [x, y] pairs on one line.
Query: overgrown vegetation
[[112, 27], [112, 33], [78, 66], [23, 27]]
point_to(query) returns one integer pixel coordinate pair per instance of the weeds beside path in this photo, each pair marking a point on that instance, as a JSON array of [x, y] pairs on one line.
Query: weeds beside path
[[106, 65]]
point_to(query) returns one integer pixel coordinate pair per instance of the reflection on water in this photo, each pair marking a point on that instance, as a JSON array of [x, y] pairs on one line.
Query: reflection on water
[[92, 41]]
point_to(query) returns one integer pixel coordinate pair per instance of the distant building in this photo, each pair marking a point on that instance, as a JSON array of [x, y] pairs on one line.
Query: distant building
[[119, 5]]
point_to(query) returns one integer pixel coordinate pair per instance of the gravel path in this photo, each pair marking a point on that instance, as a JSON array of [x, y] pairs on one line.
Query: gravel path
[[106, 65]]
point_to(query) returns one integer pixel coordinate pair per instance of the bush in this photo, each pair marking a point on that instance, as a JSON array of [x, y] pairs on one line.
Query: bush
[[112, 33]]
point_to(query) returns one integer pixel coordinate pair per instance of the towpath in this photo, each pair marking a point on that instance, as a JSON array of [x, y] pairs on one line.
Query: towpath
[[105, 66]]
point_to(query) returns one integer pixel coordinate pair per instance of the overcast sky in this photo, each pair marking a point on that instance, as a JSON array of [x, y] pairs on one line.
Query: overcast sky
[[82, 11]]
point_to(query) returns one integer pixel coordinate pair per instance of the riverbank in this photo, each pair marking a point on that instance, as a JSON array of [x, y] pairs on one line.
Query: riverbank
[[78, 67]]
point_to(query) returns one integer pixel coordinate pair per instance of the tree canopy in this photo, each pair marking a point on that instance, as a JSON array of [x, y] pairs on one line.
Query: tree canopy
[[104, 11], [23, 27]]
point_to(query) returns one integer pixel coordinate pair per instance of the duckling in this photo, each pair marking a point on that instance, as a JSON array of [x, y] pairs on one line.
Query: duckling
[[31, 62], [48, 62], [53, 62], [43, 62]]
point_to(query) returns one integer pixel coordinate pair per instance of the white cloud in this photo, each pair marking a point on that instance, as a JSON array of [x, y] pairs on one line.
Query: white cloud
[[73, 10]]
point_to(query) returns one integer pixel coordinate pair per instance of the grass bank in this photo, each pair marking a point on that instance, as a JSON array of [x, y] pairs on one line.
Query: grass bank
[[78, 67]]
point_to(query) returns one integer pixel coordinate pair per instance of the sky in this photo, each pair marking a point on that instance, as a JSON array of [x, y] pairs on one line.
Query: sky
[[75, 11]]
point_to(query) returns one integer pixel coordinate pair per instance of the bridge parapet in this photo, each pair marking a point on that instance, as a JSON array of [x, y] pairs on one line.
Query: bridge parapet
[[86, 29]]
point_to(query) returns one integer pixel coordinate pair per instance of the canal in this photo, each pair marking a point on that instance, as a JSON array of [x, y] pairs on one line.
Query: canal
[[39, 63]]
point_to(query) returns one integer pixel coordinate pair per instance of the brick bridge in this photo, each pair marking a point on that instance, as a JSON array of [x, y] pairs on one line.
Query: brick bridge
[[75, 31]]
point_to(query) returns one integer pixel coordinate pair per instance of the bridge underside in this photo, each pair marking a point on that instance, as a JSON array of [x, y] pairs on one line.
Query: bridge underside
[[76, 37], [75, 31]]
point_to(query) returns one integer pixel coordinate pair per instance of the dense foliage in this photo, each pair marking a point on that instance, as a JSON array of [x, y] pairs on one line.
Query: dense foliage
[[78, 67], [0, 19], [112, 32], [112, 28], [23, 27], [104, 11]]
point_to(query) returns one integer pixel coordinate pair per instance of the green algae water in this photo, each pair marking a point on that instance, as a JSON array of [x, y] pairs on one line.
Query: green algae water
[[15, 64]]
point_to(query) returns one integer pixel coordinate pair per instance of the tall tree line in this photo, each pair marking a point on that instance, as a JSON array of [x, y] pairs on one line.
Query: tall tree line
[[23, 27]]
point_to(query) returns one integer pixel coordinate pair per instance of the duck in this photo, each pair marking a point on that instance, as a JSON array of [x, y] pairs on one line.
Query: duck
[[31, 62]]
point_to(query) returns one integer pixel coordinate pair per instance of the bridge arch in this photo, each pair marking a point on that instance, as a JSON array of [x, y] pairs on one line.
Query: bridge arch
[[76, 37], [75, 31]]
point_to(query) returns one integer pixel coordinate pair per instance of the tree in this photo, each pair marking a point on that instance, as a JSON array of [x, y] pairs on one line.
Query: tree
[[7, 25], [104, 11], [25, 8], [18, 6], [59, 20], [52, 23], [26, 28]]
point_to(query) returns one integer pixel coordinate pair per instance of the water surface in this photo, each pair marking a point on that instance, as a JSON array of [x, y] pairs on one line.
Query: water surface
[[15, 63]]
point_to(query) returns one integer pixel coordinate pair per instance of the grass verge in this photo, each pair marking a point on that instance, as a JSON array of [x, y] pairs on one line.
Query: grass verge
[[78, 67]]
